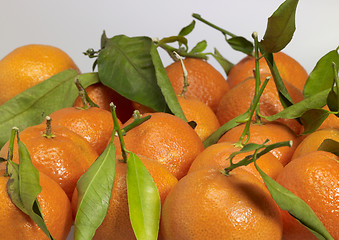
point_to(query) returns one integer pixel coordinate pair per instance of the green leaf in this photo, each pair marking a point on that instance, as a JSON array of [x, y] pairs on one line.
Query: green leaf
[[225, 64], [94, 194], [29, 188], [199, 47], [298, 109], [321, 77], [295, 206], [125, 64], [284, 96], [329, 145], [165, 85], [187, 29], [241, 44], [313, 118], [27, 109], [280, 27], [332, 101], [179, 39], [143, 200], [214, 137]]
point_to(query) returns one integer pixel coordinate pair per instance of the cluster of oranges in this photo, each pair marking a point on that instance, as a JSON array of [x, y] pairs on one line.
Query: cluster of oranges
[[199, 200]]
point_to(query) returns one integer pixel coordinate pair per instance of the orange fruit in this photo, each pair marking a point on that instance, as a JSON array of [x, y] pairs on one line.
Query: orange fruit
[[29, 65], [103, 96], [164, 138], [116, 224], [197, 111], [205, 82], [64, 157], [55, 207], [312, 141], [275, 132], [94, 124], [332, 121], [217, 155], [314, 178], [206, 204], [238, 99], [289, 70]]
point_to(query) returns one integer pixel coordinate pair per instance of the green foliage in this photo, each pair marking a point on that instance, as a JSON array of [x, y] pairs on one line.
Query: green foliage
[[143, 200], [29, 107], [94, 193]]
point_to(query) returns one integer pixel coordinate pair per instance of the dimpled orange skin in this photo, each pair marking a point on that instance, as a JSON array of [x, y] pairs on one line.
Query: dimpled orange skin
[[217, 156], [314, 178], [29, 65], [197, 111], [275, 132], [103, 96], [94, 124], [313, 141], [289, 69], [64, 158], [165, 138], [116, 224], [55, 207], [205, 82], [238, 100], [206, 204]]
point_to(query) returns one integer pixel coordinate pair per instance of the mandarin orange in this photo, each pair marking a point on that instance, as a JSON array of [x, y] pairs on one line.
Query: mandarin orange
[[29, 65], [116, 224], [217, 156], [275, 132], [314, 178], [55, 207], [164, 138], [206, 204], [197, 111], [205, 82], [63, 155], [238, 100], [289, 69]]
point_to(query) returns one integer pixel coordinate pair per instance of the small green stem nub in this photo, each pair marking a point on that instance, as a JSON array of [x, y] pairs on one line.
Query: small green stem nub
[[48, 133]]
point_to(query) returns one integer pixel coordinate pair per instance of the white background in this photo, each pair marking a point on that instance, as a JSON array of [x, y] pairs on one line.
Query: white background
[[76, 25]]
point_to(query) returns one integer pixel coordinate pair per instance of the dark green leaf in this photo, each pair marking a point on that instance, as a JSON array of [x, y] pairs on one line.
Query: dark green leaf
[[200, 47], [13, 184], [280, 27], [27, 109], [165, 85], [94, 194], [241, 44], [295, 206], [187, 30], [125, 64], [332, 101], [103, 40], [214, 137], [284, 96], [321, 77], [225, 64], [329, 145], [313, 118], [143, 200], [298, 109]]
